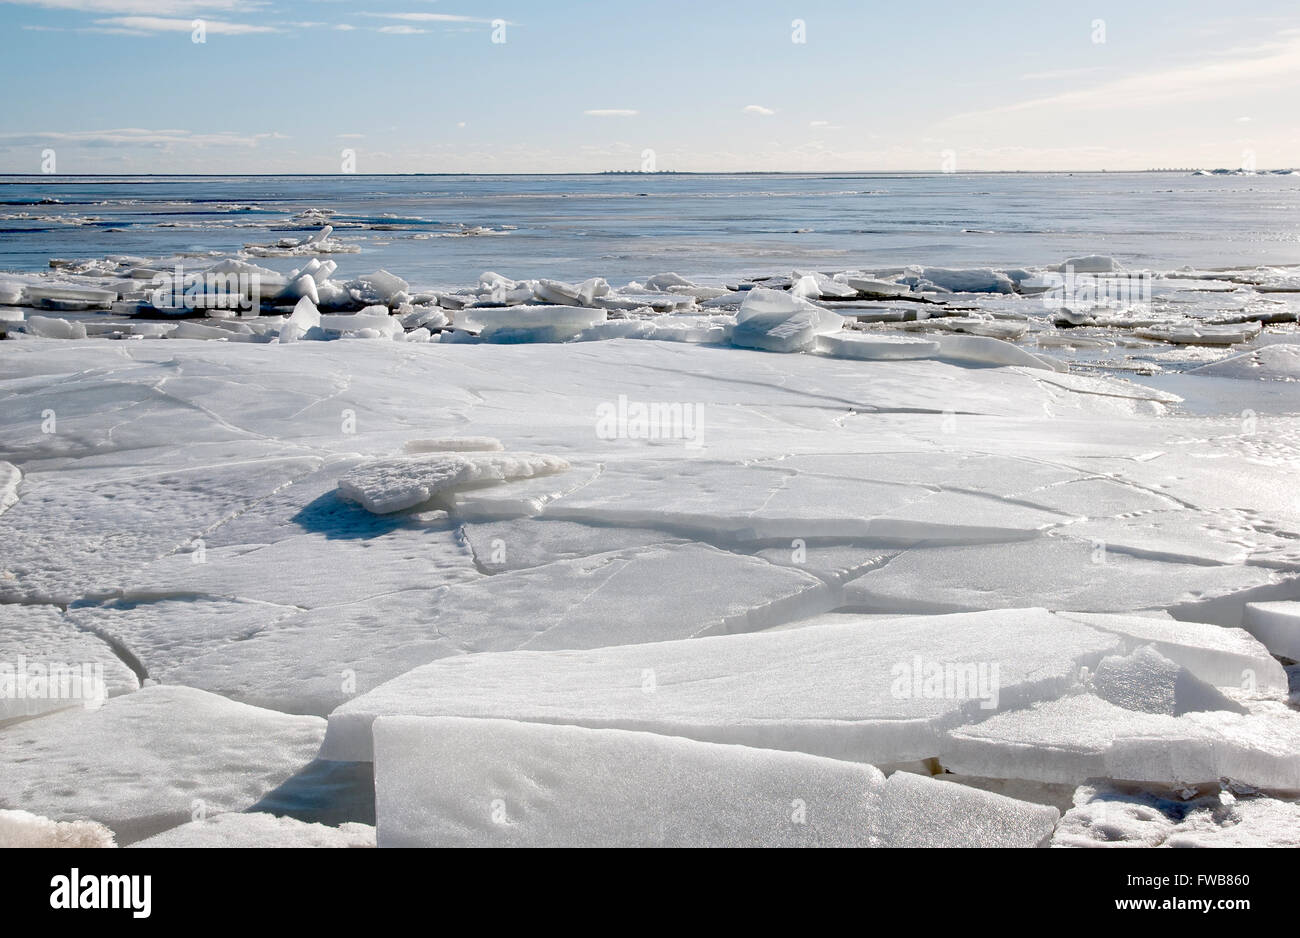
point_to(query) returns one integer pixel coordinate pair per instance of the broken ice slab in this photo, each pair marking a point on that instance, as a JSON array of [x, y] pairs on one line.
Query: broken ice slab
[[540, 323], [1277, 625], [47, 664], [876, 346], [24, 829], [387, 486], [1082, 736], [462, 782], [48, 327], [76, 297], [985, 350], [612, 598], [844, 691], [255, 830], [139, 763]]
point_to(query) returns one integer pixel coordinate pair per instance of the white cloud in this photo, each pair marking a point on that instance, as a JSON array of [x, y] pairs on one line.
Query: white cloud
[[758, 109], [611, 112], [401, 30], [158, 24], [143, 7], [133, 137]]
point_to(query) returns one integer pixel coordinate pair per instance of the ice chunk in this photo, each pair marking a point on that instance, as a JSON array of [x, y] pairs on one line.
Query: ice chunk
[[379, 287], [458, 782], [1090, 264], [362, 325], [48, 327], [393, 485], [70, 297], [305, 317], [255, 830], [875, 346], [844, 691], [24, 829], [1148, 681], [1277, 625], [781, 322], [531, 323], [140, 762], [11, 294], [10, 478], [813, 286]]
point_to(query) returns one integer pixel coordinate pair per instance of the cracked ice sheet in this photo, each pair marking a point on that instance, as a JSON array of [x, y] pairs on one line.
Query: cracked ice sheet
[[392, 485], [162, 635], [649, 594], [438, 782], [1082, 736], [69, 538], [44, 637], [827, 690], [725, 500], [139, 762], [1058, 572], [502, 546]]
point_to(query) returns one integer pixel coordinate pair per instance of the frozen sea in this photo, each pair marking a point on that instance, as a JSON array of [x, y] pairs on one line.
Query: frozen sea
[[652, 510], [707, 227]]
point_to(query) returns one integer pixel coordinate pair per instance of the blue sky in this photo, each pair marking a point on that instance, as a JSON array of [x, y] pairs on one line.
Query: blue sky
[[583, 85]]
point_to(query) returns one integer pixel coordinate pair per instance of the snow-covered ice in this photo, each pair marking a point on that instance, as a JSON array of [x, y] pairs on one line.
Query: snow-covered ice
[[256, 830]]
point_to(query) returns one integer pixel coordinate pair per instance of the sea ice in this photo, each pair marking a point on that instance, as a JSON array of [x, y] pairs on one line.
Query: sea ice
[[1146, 680], [48, 327], [457, 782], [1276, 362], [10, 478]]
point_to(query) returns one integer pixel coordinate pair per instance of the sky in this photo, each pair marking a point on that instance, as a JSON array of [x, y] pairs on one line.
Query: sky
[[461, 86]]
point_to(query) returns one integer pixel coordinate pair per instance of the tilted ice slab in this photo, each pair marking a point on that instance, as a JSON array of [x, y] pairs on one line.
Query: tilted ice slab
[[530, 323], [312, 662], [1058, 572], [1277, 625], [144, 762], [1082, 736], [393, 485], [459, 782], [10, 478], [843, 691], [255, 830], [1109, 815], [47, 664]]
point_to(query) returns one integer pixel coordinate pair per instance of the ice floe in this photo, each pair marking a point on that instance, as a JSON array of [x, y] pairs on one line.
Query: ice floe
[[255, 830], [393, 485]]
